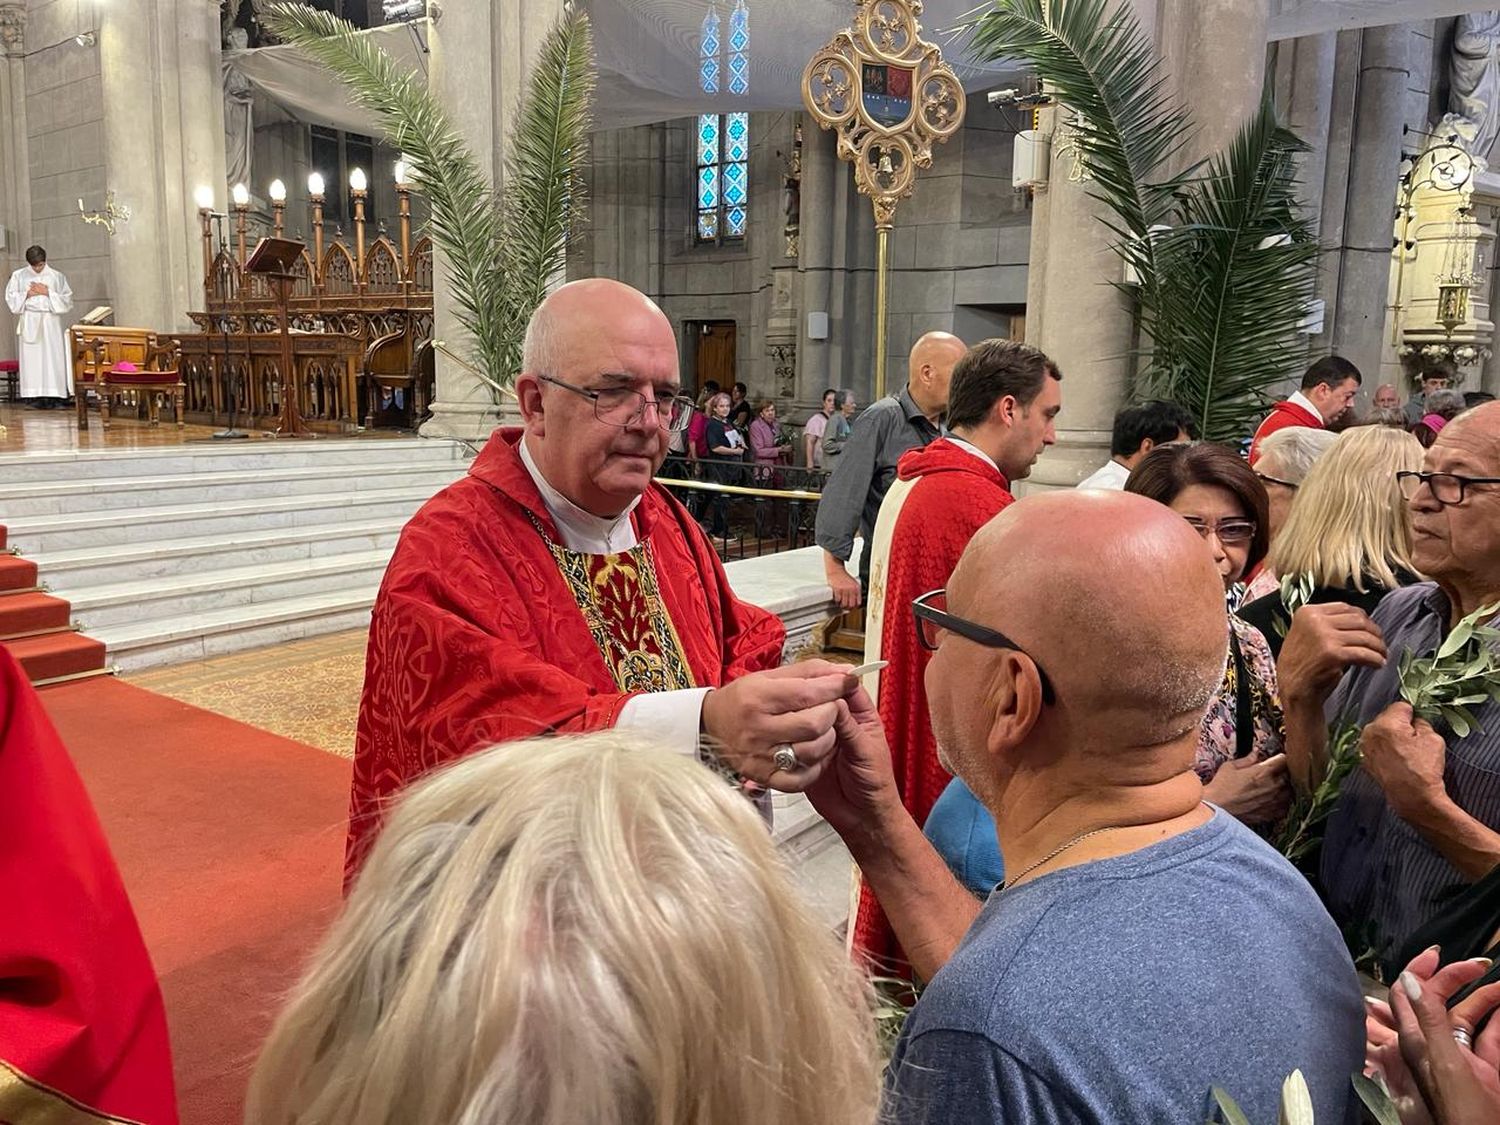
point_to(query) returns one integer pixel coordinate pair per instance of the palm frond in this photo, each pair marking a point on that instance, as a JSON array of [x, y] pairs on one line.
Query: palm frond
[[544, 193], [465, 220]]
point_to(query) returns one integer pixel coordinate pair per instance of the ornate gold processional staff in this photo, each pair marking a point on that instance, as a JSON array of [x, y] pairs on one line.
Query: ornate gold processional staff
[[890, 95]]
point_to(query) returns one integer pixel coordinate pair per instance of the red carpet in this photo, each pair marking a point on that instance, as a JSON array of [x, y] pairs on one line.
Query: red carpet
[[37, 627], [231, 843]]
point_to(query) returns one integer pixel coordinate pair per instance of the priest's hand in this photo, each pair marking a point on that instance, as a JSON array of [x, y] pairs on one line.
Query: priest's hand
[[747, 720]]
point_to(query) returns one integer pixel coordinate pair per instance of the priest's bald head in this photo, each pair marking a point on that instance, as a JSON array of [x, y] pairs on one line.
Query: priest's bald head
[[1116, 615], [591, 338]]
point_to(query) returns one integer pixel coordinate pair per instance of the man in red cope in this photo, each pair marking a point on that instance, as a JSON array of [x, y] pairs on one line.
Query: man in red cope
[[83, 1037], [1001, 405], [1328, 389], [557, 588]]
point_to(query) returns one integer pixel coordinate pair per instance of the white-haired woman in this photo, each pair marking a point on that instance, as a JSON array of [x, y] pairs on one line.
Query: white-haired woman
[[1349, 530], [1286, 457], [579, 931]]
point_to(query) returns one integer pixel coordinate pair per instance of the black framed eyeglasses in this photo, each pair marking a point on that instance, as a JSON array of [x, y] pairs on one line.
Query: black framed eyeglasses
[[1447, 488], [1268, 479], [933, 619], [620, 406]]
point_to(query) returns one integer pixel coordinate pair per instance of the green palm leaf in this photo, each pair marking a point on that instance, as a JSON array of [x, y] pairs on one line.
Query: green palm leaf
[[1219, 310], [499, 251]]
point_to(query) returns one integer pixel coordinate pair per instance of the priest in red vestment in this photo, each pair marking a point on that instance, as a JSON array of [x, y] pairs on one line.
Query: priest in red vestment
[[1328, 389], [83, 1037], [557, 588], [1001, 405]]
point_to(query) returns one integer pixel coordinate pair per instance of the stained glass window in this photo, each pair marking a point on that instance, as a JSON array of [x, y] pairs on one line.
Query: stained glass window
[[739, 49], [708, 51], [722, 187]]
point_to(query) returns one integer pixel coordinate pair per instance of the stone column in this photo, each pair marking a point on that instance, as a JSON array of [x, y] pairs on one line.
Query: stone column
[[478, 67], [162, 137], [1214, 52], [820, 171], [15, 174], [1375, 153]]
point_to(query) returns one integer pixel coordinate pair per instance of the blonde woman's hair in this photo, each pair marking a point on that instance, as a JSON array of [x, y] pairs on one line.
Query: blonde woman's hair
[[575, 931], [1348, 524]]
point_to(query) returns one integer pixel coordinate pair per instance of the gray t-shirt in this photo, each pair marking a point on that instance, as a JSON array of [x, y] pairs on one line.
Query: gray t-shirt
[[1124, 990]]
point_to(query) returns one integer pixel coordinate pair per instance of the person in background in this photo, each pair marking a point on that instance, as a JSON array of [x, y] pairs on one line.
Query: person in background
[[1348, 532], [740, 412], [727, 449], [697, 445], [568, 930], [909, 418], [769, 444], [1435, 379], [1137, 431], [1386, 397], [840, 426], [1395, 418], [1240, 757], [39, 296], [1476, 398], [1328, 389], [817, 426], [1442, 407], [1285, 459], [1145, 947]]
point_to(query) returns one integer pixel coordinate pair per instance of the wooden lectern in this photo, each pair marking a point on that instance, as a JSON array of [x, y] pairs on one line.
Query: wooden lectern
[[274, 258]]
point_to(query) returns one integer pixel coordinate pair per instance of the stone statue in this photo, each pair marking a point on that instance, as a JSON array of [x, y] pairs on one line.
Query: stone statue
[[1474, 77], [239, 127]]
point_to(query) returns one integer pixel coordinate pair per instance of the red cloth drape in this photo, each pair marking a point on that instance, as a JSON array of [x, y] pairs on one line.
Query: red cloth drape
[[956, 495], [1283, 416], [81, 1013], [476, 638]]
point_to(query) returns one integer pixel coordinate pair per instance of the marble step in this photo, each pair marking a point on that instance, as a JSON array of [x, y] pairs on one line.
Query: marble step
[[232, 456], [125, 603], [196, 636], [39, 535], [80, 570], [78, 496]]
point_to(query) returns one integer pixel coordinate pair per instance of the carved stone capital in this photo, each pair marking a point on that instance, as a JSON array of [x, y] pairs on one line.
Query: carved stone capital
[[12, 28]]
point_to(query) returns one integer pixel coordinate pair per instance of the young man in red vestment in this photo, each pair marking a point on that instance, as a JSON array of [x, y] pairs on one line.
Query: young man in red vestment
[[557, 588], [1001, 405], [83, 1037], [1328, 389]]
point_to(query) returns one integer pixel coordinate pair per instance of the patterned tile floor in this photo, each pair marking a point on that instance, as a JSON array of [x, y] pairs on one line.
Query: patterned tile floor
[[303, 690]]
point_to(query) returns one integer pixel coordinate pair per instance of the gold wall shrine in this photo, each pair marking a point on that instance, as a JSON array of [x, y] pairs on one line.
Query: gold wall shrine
[[890, 96]]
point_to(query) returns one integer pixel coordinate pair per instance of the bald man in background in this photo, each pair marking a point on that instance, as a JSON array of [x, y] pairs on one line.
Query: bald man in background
[[1146, 946], [862, 474]]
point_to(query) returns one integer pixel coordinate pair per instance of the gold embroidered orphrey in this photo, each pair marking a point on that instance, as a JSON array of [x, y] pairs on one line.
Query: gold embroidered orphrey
[[633, 668], [28, 1102]]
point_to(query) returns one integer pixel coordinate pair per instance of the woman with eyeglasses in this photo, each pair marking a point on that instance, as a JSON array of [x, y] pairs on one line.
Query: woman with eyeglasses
[[1348, 533], [1240, 758]]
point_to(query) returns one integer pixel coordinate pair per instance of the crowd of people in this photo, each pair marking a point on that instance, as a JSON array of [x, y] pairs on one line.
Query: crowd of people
[[1062, 792]]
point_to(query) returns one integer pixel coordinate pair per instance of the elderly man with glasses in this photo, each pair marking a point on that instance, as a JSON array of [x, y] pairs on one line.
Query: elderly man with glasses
[[1137, 954], [557, 588], [1419, 819]]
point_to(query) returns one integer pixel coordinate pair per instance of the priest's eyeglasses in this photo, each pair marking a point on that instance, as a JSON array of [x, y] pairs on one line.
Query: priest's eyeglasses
[[933, 620], [620, 406], [1447, 488]]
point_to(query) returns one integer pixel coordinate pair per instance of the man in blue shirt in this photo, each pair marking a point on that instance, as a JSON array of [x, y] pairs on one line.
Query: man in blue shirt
[[1146, 947]]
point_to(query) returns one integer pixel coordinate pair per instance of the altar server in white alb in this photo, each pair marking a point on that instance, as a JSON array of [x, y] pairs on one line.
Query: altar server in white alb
[[39, 295]]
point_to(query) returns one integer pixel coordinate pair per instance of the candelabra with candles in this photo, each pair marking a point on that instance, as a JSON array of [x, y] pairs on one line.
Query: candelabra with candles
[[241, 196], [357, 185], [278, 206], [315, 197], [403, 206]]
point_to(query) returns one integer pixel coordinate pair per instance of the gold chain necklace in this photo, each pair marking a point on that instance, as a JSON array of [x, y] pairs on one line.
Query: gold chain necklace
[[1050, 856]]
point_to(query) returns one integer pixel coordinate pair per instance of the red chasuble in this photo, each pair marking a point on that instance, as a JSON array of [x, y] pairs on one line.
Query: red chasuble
[[487, 630], [83, 1037], [1283, 416], [956, 494]]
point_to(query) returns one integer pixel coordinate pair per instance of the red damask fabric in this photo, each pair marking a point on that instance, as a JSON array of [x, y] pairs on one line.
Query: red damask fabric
[[83, 1036], [1283, 416], [476, 637], [956, 495]]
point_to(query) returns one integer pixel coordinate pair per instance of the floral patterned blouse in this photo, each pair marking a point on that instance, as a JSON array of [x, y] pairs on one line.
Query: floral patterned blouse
[[1216, 738]]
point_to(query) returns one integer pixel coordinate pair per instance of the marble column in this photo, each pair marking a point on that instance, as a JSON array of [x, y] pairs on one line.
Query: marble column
[[477, 70], [1374, 157], [15, 174], [1214, 53], [820, 171], [163, 136]]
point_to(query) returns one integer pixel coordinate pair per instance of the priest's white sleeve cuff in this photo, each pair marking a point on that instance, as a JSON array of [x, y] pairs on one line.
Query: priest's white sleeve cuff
[[675, 717]]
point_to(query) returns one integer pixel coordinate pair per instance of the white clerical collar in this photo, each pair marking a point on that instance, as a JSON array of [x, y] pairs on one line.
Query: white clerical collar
[[1297, 398], [580, 530], [974, 450]]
